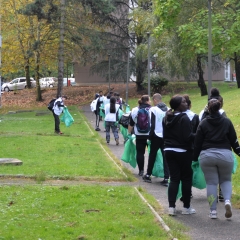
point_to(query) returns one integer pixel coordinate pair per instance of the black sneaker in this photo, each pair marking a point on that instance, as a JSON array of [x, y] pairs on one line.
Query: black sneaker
[[220, 198], [164, 182], [147, 178], [97, 129], [140, 173]]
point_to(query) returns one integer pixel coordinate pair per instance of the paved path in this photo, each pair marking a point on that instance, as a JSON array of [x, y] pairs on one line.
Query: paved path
[[200, 225]]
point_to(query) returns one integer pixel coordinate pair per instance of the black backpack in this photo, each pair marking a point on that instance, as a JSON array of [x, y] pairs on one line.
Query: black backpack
[[125, 119], [51, 104]]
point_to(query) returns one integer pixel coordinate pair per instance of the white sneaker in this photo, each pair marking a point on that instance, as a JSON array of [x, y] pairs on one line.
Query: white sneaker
[[213, 214], [187, 211], [172, 211], [228, 209]]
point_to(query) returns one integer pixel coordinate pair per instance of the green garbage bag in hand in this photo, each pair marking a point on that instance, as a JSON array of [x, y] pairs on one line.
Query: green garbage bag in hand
[[67, 117], [198, 180], [124, 132], [102, 113], [158, 165], [235, 163], [129, 152]]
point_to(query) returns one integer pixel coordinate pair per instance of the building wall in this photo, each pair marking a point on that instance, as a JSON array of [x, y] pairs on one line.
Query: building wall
[[83, 76]]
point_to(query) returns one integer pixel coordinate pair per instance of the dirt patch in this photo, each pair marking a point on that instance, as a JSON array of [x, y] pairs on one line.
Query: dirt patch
[[78, 95]]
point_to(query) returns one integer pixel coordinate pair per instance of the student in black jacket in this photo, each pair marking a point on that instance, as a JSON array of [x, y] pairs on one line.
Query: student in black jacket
[[178, 139], [215, 139]]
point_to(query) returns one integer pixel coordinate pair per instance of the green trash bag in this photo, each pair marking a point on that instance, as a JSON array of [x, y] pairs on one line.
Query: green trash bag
[[158, 165], [67, 117], [129, 152], [102, 113], [124, 132], [198, 180], [128, 109], [235, 164], [179, 194]]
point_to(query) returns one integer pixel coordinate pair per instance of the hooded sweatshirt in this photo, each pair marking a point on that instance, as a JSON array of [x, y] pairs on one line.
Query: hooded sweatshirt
[[215, 131], [157, 114], [177, 131]]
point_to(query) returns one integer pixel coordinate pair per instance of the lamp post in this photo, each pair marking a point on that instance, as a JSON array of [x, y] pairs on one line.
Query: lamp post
[[148, 35], [209, 47], [128, 60], [109, 72]]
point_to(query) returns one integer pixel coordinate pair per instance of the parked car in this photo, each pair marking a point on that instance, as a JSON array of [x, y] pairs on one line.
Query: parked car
[[17, 84], [48, 82]]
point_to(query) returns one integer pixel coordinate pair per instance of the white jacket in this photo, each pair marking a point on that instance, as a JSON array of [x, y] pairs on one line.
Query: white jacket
[[110, 117], [58, 106], [159, 115]]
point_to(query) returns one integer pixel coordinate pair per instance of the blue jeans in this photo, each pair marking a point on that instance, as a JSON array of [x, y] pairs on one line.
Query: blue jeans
[[113, 126]]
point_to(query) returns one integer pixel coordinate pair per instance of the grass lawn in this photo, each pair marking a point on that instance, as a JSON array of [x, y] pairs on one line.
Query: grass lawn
[[29, 137], [75, 212]]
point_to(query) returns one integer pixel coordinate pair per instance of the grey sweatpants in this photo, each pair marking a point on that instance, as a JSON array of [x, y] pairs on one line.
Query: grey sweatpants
[[217, 166]]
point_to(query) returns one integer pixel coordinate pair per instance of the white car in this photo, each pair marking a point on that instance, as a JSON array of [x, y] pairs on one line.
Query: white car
[[17, 84], [48, 82]]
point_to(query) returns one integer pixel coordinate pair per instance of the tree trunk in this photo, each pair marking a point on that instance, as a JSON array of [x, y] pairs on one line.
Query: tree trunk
[[39, 95], [61, 51], [27, 74], [37, 61], [237, 68], [140, 74], [201, 82], [141, 68]]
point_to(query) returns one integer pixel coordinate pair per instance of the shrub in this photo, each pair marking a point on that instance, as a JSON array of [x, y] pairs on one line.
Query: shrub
[[156, 83]]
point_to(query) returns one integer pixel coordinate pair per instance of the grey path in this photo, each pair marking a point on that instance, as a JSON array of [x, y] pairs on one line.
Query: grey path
[[200, 225]]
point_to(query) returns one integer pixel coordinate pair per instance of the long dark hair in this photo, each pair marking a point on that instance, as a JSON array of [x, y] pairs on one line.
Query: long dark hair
[[112, 104]]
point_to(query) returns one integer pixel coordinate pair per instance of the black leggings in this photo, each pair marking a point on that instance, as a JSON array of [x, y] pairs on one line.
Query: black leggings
[[180, 168], [57, 122], [140, 147]]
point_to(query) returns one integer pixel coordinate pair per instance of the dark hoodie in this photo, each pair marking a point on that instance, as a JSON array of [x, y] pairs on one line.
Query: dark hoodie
[[215, 131], [177, 131]]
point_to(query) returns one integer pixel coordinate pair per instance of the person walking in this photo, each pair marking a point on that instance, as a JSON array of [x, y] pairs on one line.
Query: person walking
[[178, 139], [214, 141], [58, 107], [111, 117], [193, 117], [157, 114], [215, 94], [141, 138]]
